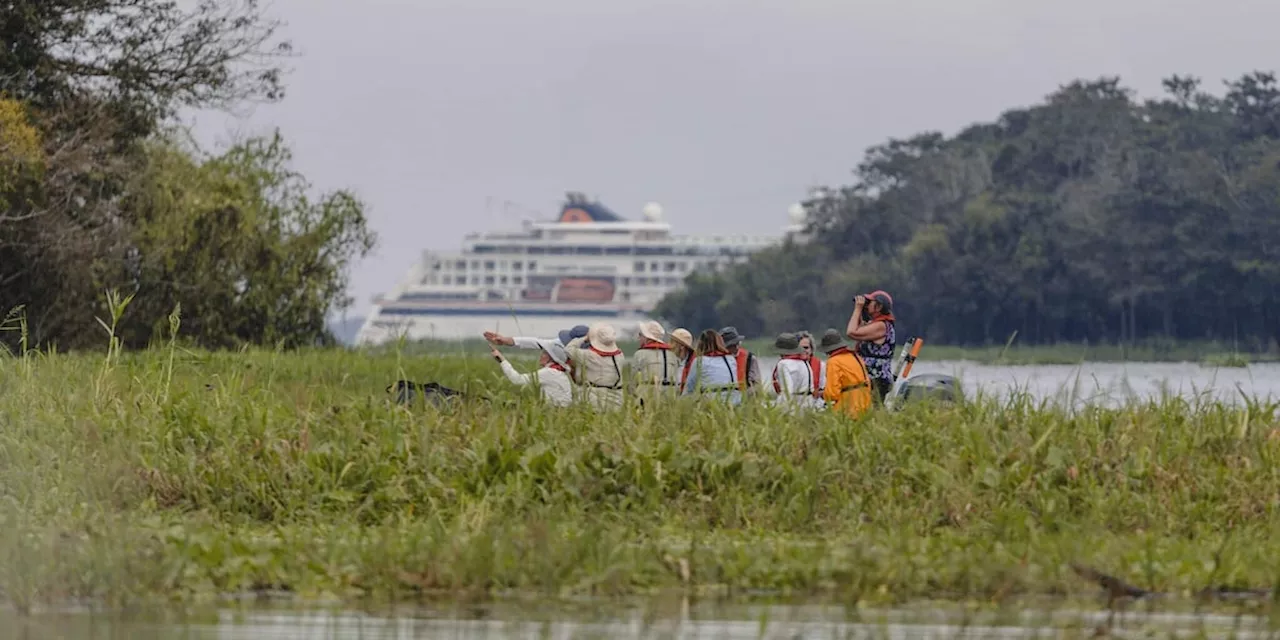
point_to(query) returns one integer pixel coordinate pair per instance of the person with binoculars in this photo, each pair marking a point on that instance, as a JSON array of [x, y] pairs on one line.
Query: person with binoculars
[[871, 328]]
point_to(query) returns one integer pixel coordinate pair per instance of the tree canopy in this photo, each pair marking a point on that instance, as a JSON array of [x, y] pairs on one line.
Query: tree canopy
[[1093, 215], [100, 192]]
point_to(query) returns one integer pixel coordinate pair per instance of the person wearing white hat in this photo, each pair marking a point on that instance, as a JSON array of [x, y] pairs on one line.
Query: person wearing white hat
[[597, 366], [655, 369], [682, 346], [551, 376]]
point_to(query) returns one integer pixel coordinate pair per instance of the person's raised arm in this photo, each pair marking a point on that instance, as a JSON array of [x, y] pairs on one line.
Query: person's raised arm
[[517, 378], [855, 320]]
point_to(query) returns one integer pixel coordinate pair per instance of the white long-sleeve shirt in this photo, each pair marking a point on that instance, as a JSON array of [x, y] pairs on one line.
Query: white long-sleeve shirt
[[555, 385], [795, 384], [525, 342]]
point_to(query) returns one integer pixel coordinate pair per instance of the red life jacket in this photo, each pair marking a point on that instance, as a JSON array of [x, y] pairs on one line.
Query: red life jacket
[[655, 345], [815, 369]]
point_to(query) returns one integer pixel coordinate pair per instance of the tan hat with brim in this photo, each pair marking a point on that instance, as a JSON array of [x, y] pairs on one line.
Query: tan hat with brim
[[683, 337]]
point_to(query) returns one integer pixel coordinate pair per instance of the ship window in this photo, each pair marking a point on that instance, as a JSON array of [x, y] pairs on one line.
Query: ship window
[[618, 251], [502, 280], [654, 251], [517, 280], [488, 279], [537, 250], [533, 264], [590, 251], [626, 282], [682, 267], [639, 267], [446, 280], [460, 265], [485, 248], [435, 266], [669, 267], [475, 264], [672, 282], [517, 265], [488, 265], [653, 266], [557, 251]]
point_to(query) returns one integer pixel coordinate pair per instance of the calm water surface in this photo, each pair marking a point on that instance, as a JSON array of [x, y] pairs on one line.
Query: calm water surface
[[600, 621], [1106, 383]]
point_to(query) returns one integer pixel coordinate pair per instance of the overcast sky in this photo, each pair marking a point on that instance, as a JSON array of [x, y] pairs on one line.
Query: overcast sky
[[436, 112]]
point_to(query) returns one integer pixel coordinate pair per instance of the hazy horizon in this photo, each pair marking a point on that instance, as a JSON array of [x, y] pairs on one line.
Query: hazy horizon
[[437, 113]]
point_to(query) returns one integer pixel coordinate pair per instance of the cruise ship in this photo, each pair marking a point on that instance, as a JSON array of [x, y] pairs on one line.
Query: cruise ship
[[587, 265]]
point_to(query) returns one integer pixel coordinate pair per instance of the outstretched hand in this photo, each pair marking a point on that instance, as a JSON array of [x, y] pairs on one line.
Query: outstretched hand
[[497, 338], [497, 355]]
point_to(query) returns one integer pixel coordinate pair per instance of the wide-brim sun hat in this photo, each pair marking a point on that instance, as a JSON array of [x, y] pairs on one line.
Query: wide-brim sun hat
[[730, 336], [652, 330], [603, 336], [555, 351], [682, 337], [787, 344], [832, 340]]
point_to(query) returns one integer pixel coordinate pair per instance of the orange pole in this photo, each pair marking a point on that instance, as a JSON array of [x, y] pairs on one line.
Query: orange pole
[[911, 357]]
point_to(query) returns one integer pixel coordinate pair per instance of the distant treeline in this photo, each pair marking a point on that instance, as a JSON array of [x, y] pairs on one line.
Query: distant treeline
[[1093, 216]]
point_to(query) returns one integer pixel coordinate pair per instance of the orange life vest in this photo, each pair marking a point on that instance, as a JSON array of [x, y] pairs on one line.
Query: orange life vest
[[742, 358]]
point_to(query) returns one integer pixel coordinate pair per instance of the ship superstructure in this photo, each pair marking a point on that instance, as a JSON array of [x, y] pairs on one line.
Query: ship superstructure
[[587, 265]]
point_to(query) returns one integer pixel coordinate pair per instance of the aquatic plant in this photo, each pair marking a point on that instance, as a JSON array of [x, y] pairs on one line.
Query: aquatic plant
[[173, 473]]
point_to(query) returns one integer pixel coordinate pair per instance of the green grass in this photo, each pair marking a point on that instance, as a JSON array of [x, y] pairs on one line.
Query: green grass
[[173, 474]]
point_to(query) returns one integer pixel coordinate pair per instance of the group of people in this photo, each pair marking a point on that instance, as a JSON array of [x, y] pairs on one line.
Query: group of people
[[584, 364]]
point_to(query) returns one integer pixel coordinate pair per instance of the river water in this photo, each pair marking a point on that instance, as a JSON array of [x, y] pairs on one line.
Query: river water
[[602, 620], [1106, 384]]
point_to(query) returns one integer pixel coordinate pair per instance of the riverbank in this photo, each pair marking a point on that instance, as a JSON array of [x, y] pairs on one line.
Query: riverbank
[[1212, 354], [182, 475]]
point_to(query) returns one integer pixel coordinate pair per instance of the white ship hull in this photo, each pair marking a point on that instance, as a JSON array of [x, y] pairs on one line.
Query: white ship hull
[[463, 323]]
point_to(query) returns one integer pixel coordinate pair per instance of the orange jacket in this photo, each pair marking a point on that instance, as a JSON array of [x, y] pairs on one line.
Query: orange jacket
[[848, 385]]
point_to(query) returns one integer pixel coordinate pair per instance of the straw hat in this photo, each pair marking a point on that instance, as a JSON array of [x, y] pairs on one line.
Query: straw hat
[[683, 337], [603, 336], [652, 330]]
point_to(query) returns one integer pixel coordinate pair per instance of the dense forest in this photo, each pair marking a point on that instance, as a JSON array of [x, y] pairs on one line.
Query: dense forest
[[101, 192], [1093, 216]]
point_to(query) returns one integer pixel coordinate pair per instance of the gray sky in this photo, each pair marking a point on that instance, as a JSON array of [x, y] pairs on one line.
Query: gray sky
[[435, 112]]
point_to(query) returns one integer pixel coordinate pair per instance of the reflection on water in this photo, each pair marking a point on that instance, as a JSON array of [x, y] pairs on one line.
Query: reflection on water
[[1105, 383], [682, 621]]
